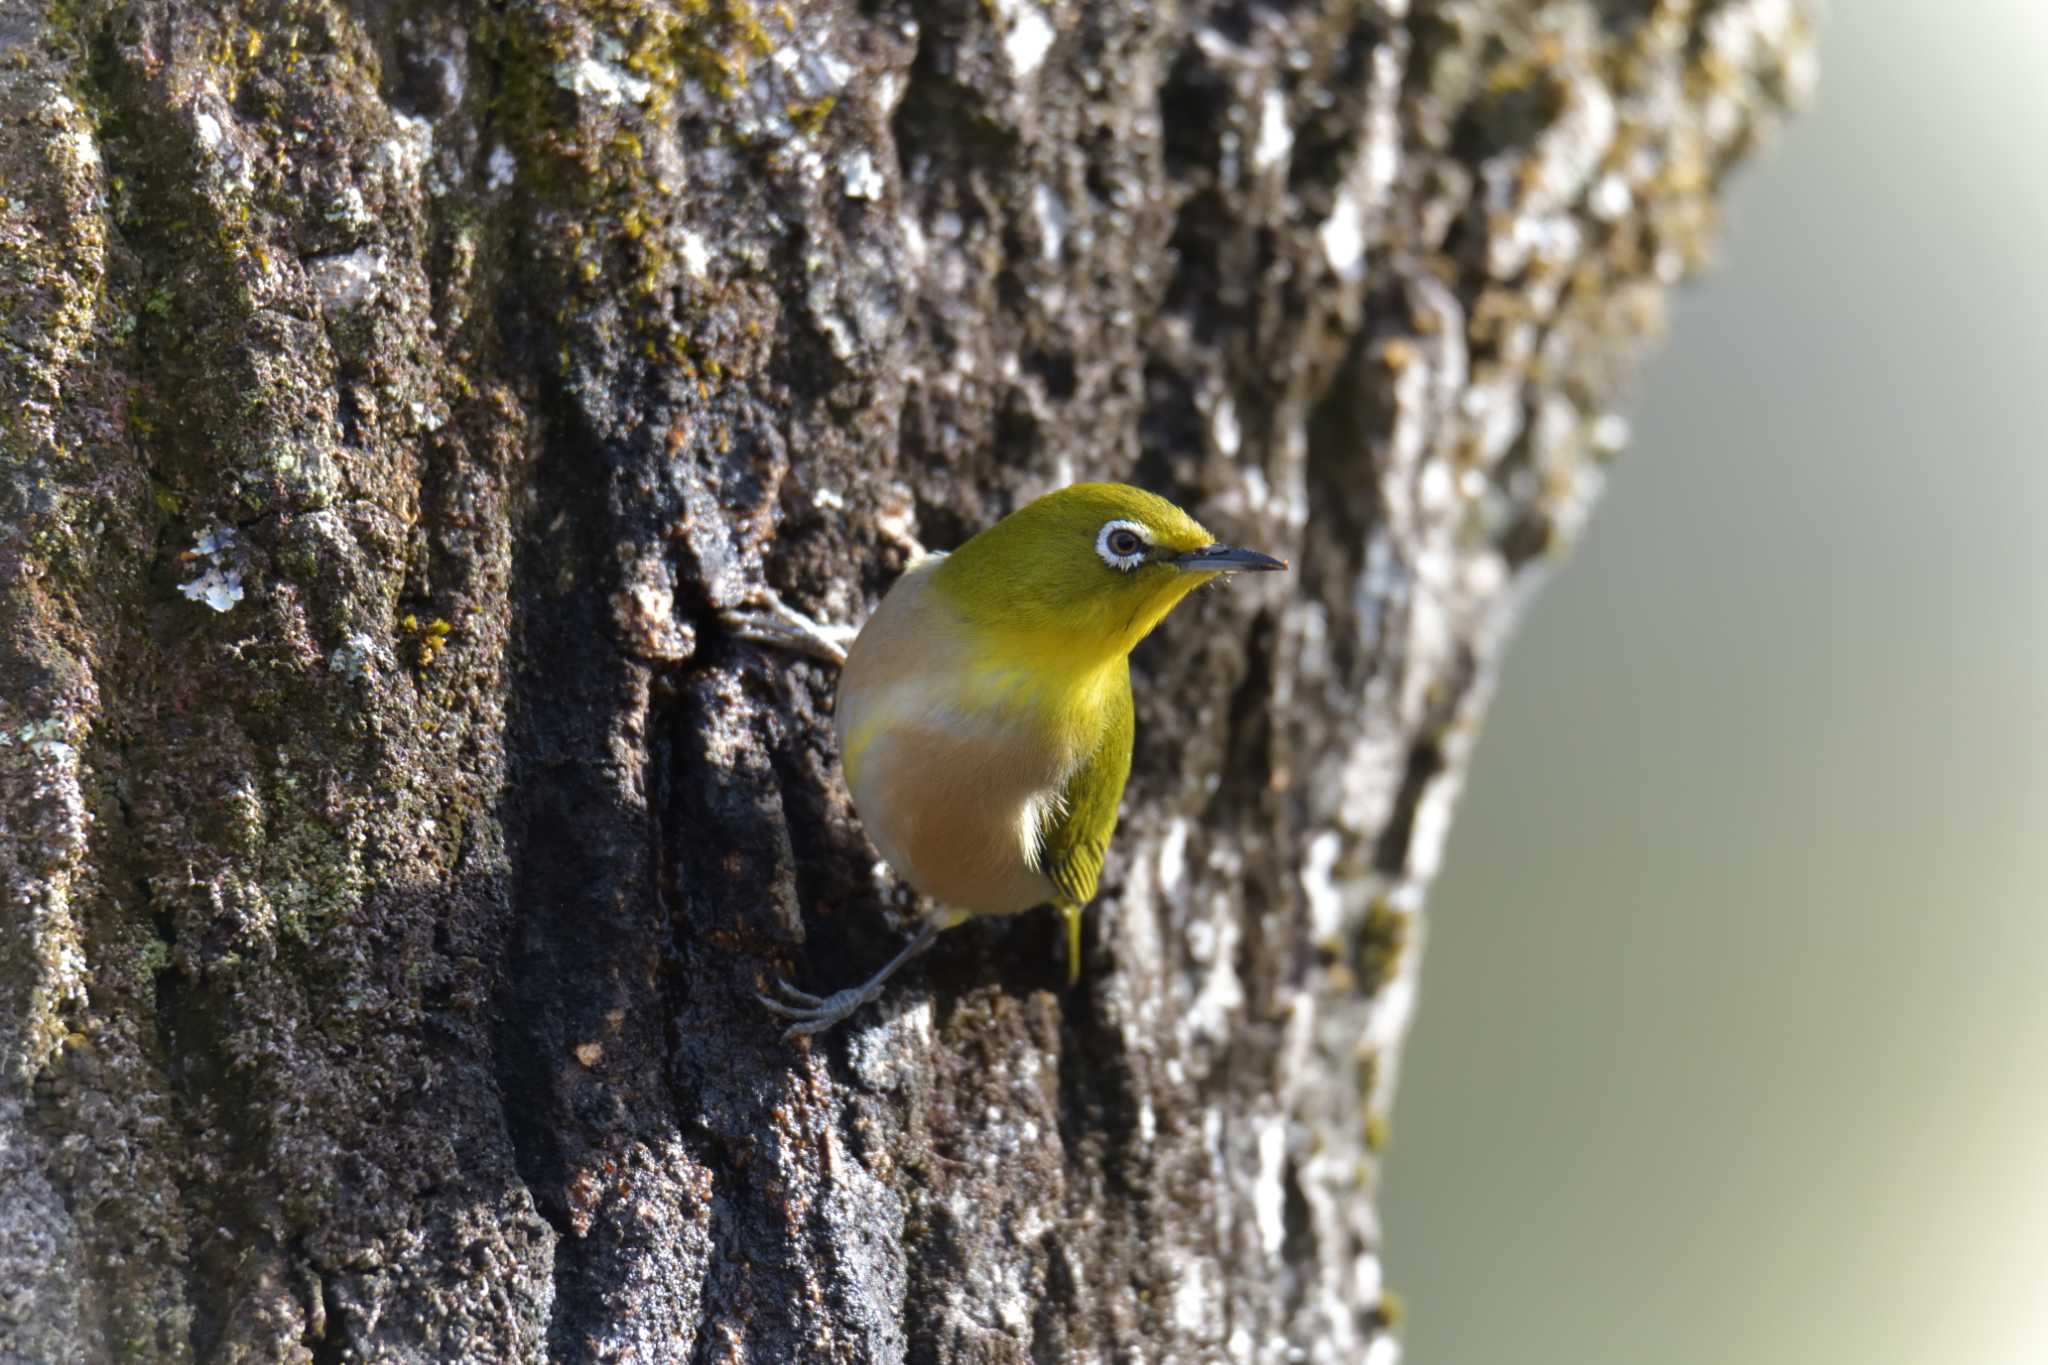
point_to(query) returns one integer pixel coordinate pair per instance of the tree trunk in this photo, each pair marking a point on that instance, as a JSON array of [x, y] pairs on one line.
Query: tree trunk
[[395, 836]]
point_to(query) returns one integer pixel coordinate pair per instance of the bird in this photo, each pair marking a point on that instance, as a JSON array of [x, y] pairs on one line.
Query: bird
[[984, 712]]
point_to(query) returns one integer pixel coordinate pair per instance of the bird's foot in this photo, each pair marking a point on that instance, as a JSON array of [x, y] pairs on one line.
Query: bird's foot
[[768, 620], [813, 1013]]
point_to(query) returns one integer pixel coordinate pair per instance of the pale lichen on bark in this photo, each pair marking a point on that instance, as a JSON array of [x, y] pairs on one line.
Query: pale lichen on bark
[[393, 399]]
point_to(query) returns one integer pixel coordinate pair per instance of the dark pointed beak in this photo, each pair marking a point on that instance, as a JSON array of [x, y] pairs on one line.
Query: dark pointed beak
[[1226, 559]]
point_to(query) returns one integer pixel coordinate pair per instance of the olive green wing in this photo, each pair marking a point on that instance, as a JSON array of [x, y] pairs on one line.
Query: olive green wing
[[1077, 837]]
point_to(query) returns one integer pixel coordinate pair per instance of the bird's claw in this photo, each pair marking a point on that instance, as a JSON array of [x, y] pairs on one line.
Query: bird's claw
[[768, 620], [790, 995], [811, 1013]]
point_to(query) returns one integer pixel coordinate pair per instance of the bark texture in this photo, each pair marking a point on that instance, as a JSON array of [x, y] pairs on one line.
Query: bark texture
[[394, 396]]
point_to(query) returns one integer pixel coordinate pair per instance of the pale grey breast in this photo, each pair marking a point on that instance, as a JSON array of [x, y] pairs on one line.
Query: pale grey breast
[[953, 798]]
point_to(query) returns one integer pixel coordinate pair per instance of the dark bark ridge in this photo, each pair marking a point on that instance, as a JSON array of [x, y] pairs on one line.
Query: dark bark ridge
[[393, 398]]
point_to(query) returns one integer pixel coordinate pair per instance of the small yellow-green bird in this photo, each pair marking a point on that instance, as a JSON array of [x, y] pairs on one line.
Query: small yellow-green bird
[[984, 711]]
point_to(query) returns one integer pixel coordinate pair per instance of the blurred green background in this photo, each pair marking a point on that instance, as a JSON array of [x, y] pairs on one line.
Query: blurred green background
[[1733, 1036]]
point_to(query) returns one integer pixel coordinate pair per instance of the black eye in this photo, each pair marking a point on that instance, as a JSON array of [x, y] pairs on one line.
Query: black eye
[[1122, 545]]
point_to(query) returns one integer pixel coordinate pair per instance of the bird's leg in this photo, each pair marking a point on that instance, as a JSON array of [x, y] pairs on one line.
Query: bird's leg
[[814, 1014], [768, 620]]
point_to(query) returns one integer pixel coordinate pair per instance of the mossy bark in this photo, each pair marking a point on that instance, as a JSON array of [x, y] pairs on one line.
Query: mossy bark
[[394, 399]]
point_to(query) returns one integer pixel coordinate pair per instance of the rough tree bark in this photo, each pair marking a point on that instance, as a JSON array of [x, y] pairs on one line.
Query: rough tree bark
[[394, 398]]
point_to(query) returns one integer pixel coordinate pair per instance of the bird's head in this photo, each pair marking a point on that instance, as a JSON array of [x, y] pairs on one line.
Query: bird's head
[[1087, 570]]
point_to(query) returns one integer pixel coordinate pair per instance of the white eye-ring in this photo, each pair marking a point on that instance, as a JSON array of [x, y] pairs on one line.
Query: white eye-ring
[[1122, 544]]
